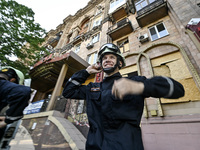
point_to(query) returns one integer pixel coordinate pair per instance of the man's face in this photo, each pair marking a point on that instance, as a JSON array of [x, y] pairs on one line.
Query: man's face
[[109, 60]]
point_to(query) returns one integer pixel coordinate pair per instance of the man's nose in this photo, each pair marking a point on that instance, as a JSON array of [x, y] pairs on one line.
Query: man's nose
[[107, 59]]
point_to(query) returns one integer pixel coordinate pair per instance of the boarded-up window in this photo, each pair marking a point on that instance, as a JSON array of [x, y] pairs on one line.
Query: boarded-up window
[[173, 65]]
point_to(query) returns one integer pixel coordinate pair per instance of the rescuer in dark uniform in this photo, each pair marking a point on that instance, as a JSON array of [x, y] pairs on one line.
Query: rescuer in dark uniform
[[115, 106], [14, 95]]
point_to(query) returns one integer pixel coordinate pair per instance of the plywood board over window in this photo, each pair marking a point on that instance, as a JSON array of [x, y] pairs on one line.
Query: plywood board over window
[[173, 65], [123, 45]]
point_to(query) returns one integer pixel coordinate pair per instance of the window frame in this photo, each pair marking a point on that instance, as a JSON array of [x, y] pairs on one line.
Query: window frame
[[93, 37], [92, 58], [123, 41], [97, 21], [114, 4], [157, 33], [77, 46], [139, 3]]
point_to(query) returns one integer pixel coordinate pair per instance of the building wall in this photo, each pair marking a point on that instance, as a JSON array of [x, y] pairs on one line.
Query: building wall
[[174, 55]]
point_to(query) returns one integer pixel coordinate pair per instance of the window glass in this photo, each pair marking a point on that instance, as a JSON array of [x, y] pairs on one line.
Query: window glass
[[138, 2], [133, 74], [77, 48], [97, 21], [114, 4], [144, 3], [117, 2], [138, 7], [95, 38], [154, 35], [89, 59], [161, 30], [158, 31], [123, 45], [151, 1], [92, 58], [95, 58]]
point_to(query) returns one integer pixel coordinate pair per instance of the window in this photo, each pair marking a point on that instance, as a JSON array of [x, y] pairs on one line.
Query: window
[[92, 58], [123, 45], [97, 21], [142, 3], [85, 25], [114, 4], [99, 9], [158, 31], [77, 48], [95, 38], [130, 74]]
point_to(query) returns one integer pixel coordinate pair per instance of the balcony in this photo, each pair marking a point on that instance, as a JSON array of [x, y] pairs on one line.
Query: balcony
[[120, 29], [67, 47], [152, 13], [53, 41], [119, 13], [77, 39]]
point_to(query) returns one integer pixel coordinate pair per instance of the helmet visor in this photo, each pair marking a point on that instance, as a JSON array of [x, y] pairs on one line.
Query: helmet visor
[[110, 46]]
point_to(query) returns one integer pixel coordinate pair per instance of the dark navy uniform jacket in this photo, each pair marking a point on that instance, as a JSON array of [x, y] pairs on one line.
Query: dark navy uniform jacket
[[16, 96], [115, 124]]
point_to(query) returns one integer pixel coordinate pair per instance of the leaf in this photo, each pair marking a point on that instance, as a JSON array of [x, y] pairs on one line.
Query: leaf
[[19, 36]]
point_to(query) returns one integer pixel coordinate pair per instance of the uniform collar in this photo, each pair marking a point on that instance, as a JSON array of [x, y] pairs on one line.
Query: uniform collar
[[114, 76]]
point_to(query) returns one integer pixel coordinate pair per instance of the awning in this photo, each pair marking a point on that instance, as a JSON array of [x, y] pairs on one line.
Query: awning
[[45, 73]]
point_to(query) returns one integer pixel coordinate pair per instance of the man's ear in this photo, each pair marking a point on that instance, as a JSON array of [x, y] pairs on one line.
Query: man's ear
[[120, 64], [13, 80]]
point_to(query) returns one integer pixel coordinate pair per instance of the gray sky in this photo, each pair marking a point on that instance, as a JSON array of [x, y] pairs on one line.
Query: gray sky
[[50, 13]]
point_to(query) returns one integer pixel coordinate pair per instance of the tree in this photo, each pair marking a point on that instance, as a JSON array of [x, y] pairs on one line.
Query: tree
[[20, 36]]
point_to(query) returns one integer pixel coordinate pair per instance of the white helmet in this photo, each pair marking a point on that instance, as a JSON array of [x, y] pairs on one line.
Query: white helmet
[[113, 49], [18, 75]]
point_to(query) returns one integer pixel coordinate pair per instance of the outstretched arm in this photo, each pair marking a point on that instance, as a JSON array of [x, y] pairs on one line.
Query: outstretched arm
[[153, 87]]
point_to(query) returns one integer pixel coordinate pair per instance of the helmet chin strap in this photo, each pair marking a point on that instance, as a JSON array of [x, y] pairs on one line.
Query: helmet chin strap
[[111, 69]]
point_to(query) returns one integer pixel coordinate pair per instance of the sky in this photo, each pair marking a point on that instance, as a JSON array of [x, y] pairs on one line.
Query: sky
[[51, 13]]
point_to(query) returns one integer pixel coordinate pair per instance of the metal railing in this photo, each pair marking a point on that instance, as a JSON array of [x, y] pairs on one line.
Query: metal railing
[[150, 7], [119, 24]]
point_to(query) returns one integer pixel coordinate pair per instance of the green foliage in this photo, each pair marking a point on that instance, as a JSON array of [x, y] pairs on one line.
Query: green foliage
[[17, 29]]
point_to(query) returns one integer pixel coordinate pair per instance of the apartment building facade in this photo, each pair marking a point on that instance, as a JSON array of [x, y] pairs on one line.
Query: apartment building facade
[[157, 37]]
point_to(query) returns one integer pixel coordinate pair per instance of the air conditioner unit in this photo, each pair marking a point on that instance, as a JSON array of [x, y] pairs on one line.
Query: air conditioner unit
[[49, 47], [95, 27], [90, 45], [143, 38]]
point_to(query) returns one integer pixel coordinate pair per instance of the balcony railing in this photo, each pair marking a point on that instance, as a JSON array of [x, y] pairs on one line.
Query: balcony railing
[[120, 29], [53, 41], [150, 7], [67, 47], [78, 38], [152, 12]]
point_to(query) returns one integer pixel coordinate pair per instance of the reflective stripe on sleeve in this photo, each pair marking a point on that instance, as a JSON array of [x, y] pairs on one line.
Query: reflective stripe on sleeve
[[171, 87], [13, 118], [74, 82]]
